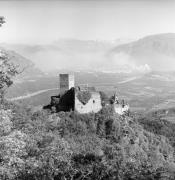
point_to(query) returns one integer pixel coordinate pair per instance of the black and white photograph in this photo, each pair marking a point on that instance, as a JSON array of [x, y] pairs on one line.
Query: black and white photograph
[[87, 89]]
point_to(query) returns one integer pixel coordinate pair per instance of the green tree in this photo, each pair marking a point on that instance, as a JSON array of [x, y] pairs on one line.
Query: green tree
[[1, 20], [7, 71]]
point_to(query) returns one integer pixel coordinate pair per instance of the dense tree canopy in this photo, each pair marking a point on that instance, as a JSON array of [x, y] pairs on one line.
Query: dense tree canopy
[[68, 145]]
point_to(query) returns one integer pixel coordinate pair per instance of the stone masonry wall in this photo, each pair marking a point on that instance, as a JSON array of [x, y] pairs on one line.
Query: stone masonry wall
[[93, 105]]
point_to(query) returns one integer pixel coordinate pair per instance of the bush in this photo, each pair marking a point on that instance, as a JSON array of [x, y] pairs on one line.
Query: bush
[[5, 122]]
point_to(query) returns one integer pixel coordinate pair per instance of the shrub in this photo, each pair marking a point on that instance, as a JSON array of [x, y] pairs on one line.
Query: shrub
[[5, 121]]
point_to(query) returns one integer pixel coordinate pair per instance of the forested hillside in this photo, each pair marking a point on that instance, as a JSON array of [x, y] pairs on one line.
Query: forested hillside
[[41, 145]]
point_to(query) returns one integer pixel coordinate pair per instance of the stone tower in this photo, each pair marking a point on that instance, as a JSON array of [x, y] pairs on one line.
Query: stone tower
[[66, 82]]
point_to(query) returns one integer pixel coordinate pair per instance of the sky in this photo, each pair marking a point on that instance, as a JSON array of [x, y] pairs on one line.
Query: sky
[[42, 22]]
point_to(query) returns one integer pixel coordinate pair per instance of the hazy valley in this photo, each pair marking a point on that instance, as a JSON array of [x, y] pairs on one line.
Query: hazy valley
[[144, 84]]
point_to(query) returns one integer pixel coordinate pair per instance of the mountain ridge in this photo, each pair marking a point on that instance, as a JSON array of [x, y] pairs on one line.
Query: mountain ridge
[[158, 51], [150, 53], [25, 67]]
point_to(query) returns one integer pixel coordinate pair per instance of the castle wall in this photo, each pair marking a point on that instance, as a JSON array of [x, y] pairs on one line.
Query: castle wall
[[93, 105], [119, 109]]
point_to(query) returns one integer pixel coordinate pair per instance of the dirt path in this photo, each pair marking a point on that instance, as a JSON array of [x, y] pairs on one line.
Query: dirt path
[[31, 94]]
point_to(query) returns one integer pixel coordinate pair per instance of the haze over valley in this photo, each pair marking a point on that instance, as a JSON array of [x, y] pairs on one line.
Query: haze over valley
[[109, 45], [142, 71]]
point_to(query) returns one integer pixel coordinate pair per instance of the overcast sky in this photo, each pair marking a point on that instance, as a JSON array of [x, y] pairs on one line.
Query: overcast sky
[[47, 21]]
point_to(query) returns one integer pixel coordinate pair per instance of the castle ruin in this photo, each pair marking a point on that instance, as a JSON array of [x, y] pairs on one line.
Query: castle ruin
[[93, 105], [82, 98], [120, 108], [73, 98]]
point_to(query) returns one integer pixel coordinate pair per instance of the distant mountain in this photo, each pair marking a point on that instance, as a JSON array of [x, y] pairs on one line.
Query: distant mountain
[[155, 51], [69, 54], [67, 45], [26, 67]]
